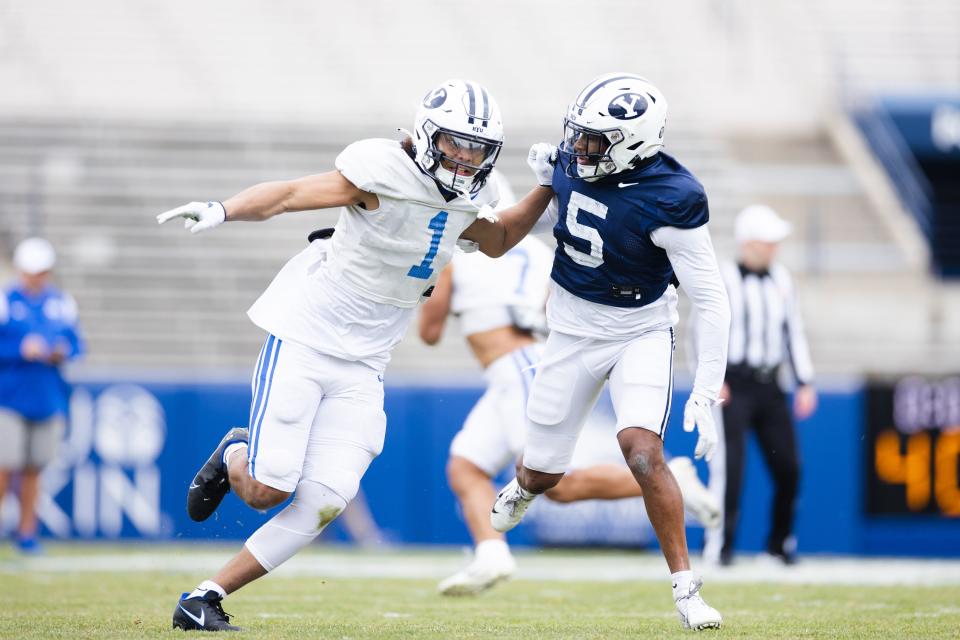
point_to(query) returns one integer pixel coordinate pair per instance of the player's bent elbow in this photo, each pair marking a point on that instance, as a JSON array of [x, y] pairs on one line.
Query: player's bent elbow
[[493, 252], [430, 338], [430, 333]]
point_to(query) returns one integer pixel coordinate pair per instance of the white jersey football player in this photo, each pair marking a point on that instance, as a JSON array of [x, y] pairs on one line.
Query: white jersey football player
[[333, 313], [630, 223], [499, 304]]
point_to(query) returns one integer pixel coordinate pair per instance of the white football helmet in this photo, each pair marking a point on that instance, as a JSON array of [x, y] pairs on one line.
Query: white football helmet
[[616, 121], [457, 135]]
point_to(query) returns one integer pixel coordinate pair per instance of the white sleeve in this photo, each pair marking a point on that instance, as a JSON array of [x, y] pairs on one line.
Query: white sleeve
[[691, 254], [371, 165], [4, 308], [548, 220], [795, 340]]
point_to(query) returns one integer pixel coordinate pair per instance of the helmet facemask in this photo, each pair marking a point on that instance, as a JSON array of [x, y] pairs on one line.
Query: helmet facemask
[[459, 162], [587, 153]]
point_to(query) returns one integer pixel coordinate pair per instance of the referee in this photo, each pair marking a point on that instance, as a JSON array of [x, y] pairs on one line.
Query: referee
[[765, 332]]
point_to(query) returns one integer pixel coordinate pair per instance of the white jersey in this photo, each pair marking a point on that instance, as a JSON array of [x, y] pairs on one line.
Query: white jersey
[[489, 293], [394, 254], [353, 296]]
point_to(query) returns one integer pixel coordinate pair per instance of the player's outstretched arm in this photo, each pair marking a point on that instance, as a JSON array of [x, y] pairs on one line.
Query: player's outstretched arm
[[267, 199], [498, 236]]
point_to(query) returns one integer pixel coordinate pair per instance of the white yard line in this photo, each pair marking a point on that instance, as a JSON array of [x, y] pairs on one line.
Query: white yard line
[[532, 565]]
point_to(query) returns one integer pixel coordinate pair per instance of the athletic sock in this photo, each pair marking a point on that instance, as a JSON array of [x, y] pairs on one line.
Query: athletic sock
[[230, 450], [207, 585], [491, 549], [681, 583]]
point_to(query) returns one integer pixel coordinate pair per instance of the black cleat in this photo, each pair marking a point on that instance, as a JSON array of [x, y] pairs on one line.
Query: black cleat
[[211, 482], [202, 613]]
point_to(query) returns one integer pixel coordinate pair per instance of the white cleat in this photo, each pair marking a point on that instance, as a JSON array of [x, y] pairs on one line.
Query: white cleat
[[477, 577], [509, 508], [696, 497], [694, 612]]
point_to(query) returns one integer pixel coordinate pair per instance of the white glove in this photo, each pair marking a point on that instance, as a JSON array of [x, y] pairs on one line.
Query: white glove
[[467, 246], [542, 158], [198, 216], [486, 212], [697, 412]]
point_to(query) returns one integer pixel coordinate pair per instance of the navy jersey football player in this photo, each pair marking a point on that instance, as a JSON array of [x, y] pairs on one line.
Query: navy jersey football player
[[630, 223]]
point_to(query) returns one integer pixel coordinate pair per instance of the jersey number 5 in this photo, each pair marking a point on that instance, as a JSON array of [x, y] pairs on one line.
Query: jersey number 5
[[579, 202], [423, 270]]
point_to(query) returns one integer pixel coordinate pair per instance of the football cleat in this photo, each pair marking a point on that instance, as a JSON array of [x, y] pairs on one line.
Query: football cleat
[[212, 483], [694, 612], [509, 508], [202, 613], [477, 577], [696, 497]]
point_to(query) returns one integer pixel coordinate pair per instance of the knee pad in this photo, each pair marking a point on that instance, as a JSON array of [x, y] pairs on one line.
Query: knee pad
[[343, 482], [314, 506], [548, 451]]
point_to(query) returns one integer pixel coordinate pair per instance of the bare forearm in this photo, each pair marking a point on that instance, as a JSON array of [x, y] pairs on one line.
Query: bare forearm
[[318, 191], [515, 222], [259, 202], [521, 218]]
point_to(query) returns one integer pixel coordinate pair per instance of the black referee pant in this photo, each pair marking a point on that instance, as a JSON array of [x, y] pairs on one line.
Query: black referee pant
[[757, 402]]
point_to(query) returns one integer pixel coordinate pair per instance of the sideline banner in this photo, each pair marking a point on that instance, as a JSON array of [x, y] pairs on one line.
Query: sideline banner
[[133, 448]]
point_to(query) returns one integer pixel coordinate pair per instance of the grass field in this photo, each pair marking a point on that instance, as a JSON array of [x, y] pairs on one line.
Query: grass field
[[70, 595]]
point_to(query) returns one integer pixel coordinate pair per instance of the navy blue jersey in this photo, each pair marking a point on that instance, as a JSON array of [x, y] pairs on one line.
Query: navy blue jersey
[[604, 252]]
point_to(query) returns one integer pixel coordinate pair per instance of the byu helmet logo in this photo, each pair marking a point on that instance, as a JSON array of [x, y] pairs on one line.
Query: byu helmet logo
[[435, 98], [627, 106]]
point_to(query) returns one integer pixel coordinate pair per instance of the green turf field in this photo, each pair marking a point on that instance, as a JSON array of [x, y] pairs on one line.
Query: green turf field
[[132, 604]]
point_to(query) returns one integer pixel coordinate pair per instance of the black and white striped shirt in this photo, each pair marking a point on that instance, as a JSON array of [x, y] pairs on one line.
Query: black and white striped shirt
[[766, 329]]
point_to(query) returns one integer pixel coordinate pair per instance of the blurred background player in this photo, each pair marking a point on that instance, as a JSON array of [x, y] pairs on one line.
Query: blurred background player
[[629, 220], [499, 304], [333, 314], [766, 331], [38, 333]]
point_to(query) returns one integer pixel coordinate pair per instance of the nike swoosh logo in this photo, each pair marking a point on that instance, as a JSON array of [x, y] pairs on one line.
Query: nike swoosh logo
[[194, 486], [627, 184], [199, 621]]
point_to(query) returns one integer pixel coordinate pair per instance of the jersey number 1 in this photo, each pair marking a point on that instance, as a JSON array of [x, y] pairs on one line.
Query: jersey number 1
[[423, 270], [579, 202]]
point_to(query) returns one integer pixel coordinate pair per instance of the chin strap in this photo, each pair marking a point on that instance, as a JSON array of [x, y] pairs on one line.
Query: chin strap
[[485, 212]]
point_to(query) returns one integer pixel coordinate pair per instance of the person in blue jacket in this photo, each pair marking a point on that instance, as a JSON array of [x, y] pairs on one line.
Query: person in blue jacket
[[38, 333]]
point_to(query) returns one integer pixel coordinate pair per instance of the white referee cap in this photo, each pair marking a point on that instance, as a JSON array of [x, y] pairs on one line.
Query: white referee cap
[[760, 222], [34, 255]]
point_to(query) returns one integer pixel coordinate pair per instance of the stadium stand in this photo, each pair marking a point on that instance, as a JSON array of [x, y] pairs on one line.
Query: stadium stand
[[128, 112]]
